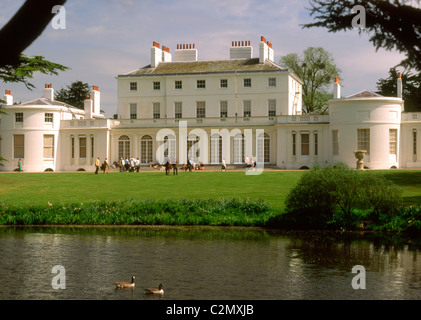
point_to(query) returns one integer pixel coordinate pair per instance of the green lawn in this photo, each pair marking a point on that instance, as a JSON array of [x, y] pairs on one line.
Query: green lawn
[[271, 186], [41, 188]]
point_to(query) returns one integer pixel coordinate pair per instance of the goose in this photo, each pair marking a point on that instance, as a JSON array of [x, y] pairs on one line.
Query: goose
[[154, 290], [124, 284]]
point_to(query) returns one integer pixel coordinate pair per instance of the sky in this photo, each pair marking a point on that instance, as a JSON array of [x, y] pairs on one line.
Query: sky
[[105, 38]]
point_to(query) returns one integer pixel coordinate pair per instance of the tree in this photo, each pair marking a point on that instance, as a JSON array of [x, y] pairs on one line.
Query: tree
[[75, 94], [26, 67], [411, 88], [393, 24], [25, 26], [316, 68]]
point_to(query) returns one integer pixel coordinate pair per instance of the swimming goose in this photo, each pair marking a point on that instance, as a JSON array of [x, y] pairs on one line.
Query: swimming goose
[[154, 290], [124, 284]]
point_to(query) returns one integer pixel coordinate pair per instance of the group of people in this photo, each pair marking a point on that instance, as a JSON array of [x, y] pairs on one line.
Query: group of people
[[191, 165], [169, 164], [250, 162], [104, 166], [133, 165], [129, 165]]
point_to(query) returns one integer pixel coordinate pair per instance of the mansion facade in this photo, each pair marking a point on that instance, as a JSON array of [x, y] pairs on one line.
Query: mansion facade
[[178, 107]]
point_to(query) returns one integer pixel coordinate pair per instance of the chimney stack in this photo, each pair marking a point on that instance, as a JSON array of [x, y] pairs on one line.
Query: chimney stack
[[336, 89], [95, 95], [88, 107], [265, 50], [156, 54], [8, 97], [185, 52], [399, 85], [166, 55], [48, 91], [241, 50]]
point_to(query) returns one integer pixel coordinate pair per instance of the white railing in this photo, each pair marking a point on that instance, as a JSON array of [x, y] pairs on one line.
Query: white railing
[[217, 121]]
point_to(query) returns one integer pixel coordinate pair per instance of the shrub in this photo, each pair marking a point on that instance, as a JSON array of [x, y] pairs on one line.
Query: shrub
[[339, 197]]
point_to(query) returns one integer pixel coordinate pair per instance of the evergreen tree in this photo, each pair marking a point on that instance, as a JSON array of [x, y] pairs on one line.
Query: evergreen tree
[[74, 94], [411, 88], [392, 24]]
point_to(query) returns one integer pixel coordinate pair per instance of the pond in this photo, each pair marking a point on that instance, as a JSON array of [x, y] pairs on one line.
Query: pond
[[203, 263]]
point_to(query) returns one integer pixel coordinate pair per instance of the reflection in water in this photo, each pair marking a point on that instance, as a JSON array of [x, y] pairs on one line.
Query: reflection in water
[[206, 263]]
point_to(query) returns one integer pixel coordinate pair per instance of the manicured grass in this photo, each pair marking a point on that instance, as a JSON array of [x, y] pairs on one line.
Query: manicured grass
[[41, 188], [76, 187]]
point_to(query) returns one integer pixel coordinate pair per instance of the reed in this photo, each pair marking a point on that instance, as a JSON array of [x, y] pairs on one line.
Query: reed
[[215, 212]]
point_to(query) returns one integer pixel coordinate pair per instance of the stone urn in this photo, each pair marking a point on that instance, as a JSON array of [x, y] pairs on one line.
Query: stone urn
[[360, 154]]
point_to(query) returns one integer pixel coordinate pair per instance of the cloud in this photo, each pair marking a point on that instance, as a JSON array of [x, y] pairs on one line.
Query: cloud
[[105, 38]]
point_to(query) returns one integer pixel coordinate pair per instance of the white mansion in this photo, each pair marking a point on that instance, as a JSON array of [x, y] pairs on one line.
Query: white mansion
[[179, 107]]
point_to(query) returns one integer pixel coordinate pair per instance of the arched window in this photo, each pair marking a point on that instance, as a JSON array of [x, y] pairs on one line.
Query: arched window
[[123, 147], [239, 148], [146, 149], [170, 147], [263, 148], [193, 151], [215, 149]]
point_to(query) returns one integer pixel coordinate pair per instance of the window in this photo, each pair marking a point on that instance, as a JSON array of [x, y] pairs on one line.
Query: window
[[223, 109], [305, 144], [247, 83], [201, 84], [263, 148], [294, 144], [414, 142], [133, 110], [178, 110], [335, 142], [247, 108], [123, 147], [223, 83], [92, 147], [82, 147], [193, 150], [157, 85], [272, 82], [156, 110], [18, 146], [133, 86], [48, 117], [215, 148], [48, 146], [200, 109], [178, 84], [272, 108], [169, 148], [363, 140], [316, 143], [393, 141], [146, 149], [238, 148], [19, 117], [72, 143]]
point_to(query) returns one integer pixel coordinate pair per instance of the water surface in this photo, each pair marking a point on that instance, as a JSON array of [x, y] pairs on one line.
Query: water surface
[[205, 263]]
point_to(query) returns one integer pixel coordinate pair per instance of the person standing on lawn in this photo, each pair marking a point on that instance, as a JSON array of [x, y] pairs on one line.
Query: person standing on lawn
[[97, 165]]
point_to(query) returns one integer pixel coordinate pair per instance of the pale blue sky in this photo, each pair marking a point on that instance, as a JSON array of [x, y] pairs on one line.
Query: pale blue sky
[[105, 38]]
